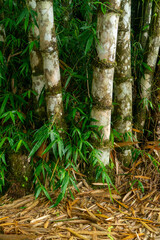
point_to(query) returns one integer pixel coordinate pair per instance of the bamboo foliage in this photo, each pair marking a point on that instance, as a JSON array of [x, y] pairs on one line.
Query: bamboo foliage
[[123, 79], [102, 85]]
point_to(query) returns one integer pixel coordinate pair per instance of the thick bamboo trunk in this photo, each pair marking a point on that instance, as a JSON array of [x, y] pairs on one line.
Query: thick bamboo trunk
[[2, 30], [151, 60], [36, 62], [157, 117], [48, 46], [102, 85], [123, 79], [147, 14]]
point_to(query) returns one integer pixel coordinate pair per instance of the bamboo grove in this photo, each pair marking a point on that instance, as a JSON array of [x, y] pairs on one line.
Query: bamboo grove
[[79, 86]]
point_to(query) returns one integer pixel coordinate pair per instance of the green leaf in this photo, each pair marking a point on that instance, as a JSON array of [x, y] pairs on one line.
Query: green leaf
[[141, 186], [19, 145], [108, 180], [74, 184], [88, 144], [7, 117], [136, 180], [58, 200], [1, 57], [99, 172], [78, 76], [12, 101], [60, 148], [46, 193], [2, 156], [22, 16], [4, 104], [117, 134], [20, 115], [65, 183], [38, 192], [26, 21], [72, 196], [49, 147], [25, 50], [2, 141], [103, 9], [69, 153], [62, 174], [67, 101], [11, 141], [75, 155], [38, 170], [12, 117], [43, 172], [54, 149], [2, 176], [31, 45], [145, 27], [26, 146], [63, 189], [67, 82], [10, 4], [37, 146], [89, 44], [48, 169], [34, 14], [147, 66], [112, 138]]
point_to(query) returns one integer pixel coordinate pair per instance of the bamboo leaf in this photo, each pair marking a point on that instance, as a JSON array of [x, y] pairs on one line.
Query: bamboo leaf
[[74, 184], [38, 192], [31, 45], [46, 193], [4, 104], [26, 21], [22, 16], [60, 148], [59, 199], [63, 189], [26, 146], [103, 8], [37, 146], [141, 186], [147, 66], [19, 145], [49, 147], [89, 44], [7, 117], [2, 156], [145, 27], [12, 117], [2, 142], [1, 57], [68, 80]]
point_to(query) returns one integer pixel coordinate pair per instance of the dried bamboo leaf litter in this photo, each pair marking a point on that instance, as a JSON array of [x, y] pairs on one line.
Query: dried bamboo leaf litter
[[91, 215]]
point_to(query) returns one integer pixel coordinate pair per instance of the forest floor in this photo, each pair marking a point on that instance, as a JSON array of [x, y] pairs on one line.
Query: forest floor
[[134, 212]]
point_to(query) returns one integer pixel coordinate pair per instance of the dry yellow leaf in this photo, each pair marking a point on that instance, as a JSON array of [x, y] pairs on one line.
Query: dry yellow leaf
[[148, 227], [132, 236]]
